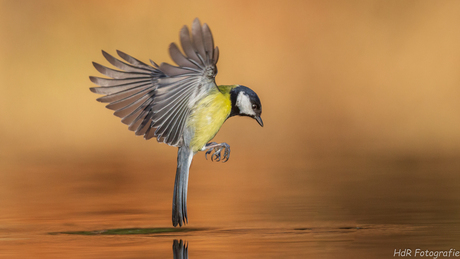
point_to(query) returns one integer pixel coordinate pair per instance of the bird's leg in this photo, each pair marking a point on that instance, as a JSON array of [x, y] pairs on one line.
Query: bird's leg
[[217, 148]]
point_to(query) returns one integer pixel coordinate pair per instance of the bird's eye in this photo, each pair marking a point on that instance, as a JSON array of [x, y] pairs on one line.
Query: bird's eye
[[254, 106]]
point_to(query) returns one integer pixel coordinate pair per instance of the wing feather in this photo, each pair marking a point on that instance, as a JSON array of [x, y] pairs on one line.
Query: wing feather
[[116, 74], [156, 101], [208, 42], [215, 57], [197, 35], [135, 124], [166, 120], [136, 113], [188, 47], [130, 108], [122, 65], [133, 61], [150, 133], [143, 126], [115, 105], [168, 128], [104, 82], [172, 94], [172, 71], [120, 95], [180, 59], [183, 115], [120, 88], [161, 116]]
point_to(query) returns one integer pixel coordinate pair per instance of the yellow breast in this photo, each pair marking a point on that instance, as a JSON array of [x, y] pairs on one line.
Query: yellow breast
[[208, 116]]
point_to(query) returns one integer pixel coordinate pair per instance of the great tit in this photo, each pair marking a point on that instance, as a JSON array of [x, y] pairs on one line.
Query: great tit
[[178, 105]]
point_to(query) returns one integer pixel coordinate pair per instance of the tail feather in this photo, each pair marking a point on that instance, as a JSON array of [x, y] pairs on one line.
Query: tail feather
[[179, 210]]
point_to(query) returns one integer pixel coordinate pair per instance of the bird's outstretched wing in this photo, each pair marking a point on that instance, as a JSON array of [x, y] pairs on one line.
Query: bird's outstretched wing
[[155, 101]]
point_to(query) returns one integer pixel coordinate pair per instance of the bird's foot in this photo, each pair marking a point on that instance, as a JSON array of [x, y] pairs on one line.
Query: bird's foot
[[217, 148]]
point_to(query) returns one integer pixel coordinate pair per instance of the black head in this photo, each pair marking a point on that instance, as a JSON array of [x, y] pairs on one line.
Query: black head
[[245, 102]]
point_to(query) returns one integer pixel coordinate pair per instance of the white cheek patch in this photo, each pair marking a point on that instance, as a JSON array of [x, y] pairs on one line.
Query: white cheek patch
[[244, 104]]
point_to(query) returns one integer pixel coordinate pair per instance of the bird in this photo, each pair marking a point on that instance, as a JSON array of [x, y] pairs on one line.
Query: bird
[[180, 105]]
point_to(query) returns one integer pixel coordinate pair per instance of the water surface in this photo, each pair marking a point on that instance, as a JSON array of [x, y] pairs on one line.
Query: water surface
[[75, 206]]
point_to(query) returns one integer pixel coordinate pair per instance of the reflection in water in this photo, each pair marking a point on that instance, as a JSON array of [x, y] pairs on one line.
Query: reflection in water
[[180, 249]]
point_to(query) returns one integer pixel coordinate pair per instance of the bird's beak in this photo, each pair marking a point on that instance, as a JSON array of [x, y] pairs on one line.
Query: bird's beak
[[259, 120]]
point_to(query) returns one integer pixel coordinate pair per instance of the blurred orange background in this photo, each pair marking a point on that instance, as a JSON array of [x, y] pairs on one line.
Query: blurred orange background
[[333, 76], [376, 75], [336, 79]]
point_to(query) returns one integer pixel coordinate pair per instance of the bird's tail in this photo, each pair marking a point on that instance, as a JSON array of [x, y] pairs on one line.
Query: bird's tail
[[179, 210]]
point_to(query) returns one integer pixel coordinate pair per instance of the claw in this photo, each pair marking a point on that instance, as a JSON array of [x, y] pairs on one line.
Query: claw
[[217, 153], [217, 149], [226, 154]]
